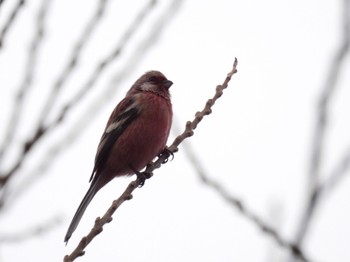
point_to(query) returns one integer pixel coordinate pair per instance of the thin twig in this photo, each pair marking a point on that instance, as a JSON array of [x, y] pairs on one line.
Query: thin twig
[[336, 176], [239, 205], [73, 61], [103, 64], [100, 222], [9, 22], [1, 2], [27, 81], [44, 130], [326, 96], [127, 194], [102, 99]]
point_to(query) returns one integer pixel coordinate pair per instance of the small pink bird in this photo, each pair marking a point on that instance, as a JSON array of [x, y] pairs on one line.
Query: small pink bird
[[136, 132]]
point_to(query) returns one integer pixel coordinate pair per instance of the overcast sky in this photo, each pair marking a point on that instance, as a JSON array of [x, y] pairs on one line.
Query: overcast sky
[[256, 143]]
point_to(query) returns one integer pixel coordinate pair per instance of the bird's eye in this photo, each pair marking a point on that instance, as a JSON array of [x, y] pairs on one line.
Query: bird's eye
[[152, 79]]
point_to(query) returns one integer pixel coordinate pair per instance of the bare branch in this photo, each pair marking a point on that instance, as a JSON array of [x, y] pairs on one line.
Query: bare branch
[[239, 205], [9, 22], [100, 222], [1, 2], [44, 130], [321, 125], [107, 60], [105, 96], [127, 194], [27, 81], [326, 187], [336, 175], [73, 60]]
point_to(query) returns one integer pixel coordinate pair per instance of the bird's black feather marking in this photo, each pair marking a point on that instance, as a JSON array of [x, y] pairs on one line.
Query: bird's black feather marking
[[109, 139]]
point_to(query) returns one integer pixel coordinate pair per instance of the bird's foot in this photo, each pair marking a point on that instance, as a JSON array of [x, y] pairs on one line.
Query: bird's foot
[[141, 176], [167, 153]]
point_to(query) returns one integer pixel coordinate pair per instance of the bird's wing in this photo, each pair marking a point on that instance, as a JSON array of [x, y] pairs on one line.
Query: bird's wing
[[121, 117]]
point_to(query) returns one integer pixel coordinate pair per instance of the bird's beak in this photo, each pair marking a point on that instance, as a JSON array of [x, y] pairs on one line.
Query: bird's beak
[[167, 84]]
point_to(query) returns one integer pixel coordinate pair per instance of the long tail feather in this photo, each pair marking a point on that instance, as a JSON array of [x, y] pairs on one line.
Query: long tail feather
[[94, 187]]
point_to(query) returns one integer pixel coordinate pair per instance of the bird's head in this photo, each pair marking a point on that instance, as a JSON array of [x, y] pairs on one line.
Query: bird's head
[[152, 81]]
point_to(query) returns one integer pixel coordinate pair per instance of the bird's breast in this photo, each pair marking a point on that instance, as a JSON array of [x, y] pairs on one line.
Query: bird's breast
[[144, 138]]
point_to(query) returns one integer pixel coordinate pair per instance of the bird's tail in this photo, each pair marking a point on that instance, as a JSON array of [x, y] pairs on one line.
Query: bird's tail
[[94, 187]]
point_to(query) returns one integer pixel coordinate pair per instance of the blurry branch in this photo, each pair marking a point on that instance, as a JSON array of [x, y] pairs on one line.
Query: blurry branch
[[336, 175], [73, 60], [107, 60], [319, 137], [44, 130], [92, 110], [173, 148], [29, 233], [9, 22], [275, 212], [238, 205], [333, 179], [154, 33], [27, 80]]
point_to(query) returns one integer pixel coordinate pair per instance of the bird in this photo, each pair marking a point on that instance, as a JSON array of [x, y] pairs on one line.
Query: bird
[[136, 132]]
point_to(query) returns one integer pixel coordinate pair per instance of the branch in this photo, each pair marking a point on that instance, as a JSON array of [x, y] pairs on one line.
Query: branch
[[173, 148], [154, 33], [9, 22], [107, 60], [27, 81], [331, 182], [239, 205], [336, 175], [73, 60], [321, 125], [1, 2], [44, 130]]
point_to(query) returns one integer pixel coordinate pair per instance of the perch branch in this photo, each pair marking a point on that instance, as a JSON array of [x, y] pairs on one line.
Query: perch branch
[[173, 148]]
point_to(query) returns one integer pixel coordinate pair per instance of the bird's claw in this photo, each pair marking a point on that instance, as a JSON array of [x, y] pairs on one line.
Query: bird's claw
[[167, 153], [142, 176]]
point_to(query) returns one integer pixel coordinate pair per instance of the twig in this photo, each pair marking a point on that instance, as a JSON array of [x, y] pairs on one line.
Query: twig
[[73, 60], [9, 22], [26, 84], [239, 205], [107, 60], [173, 148], [100, 222], [1, 2], [336, 175], [44, 130], [321, 125], [104, 97]]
